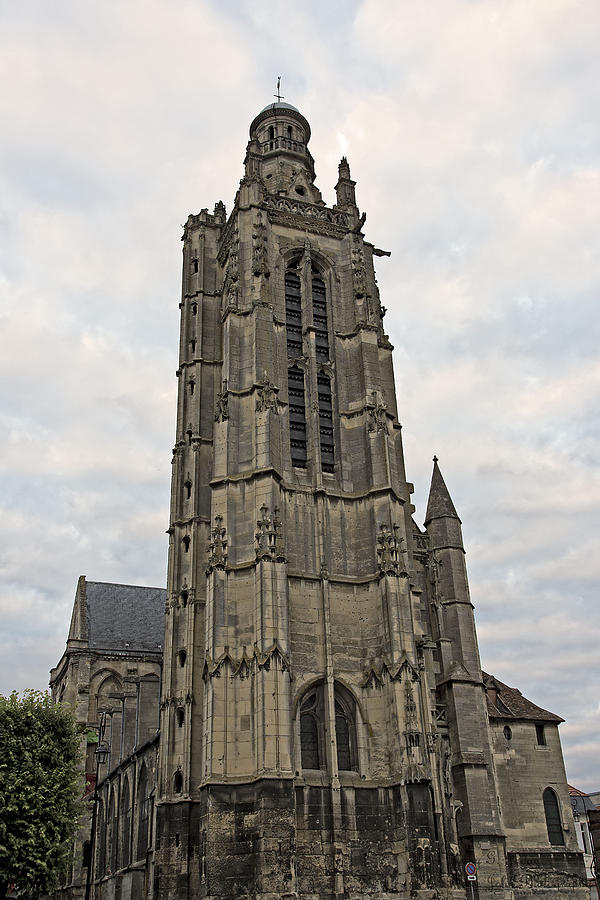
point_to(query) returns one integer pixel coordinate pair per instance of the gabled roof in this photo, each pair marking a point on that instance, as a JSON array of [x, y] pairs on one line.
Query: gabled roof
[[504, 702], [122, 617]]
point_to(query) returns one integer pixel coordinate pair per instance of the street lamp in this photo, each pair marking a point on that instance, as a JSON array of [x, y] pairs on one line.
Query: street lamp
[[101, 753]]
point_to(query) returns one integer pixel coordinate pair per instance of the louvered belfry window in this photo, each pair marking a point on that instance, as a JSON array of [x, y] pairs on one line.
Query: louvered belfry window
[[326, 423], [320, 318], [296, 382], [297, 408], [293, 314], [296, 394]]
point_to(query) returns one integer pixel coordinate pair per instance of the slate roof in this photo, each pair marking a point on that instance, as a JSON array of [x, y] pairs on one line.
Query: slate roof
[[511, 704], [580, 801], [125, 616]]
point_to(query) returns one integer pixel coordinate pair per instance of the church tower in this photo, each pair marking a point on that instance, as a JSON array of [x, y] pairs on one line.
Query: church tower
[[323, 722]]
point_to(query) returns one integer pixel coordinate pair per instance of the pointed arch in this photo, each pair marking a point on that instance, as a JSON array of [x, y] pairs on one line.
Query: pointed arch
[[553, 822], [345, 729], [104, 683], [312, 730], [312, 713]]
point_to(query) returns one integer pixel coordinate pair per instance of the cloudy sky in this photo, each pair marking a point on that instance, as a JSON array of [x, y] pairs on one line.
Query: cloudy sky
[[472, 130]]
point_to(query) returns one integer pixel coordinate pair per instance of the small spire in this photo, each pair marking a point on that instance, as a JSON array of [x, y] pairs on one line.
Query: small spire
[[344, 168], [439, 503]]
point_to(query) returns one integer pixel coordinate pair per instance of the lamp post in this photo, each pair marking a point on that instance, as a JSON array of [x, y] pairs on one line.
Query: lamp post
[[101, 753]]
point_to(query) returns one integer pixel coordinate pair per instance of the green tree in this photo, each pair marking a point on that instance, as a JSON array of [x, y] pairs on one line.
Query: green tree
[[40, 783]]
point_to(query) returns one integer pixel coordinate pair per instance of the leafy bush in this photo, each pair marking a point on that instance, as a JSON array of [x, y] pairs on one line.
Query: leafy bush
[[40, 783]]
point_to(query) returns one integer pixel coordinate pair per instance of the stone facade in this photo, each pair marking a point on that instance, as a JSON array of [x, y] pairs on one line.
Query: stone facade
[[325, 724]]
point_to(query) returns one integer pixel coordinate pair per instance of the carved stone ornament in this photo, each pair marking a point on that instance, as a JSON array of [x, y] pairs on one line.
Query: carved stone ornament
[[410, 708], [231, 276], [432, 740], [446, 767], [266, 396], [434, 564], [377, 413], [382, 670], [245, 665], [389, 551], [268, 536], [259, 247], [305, 210], [222, 404], [231, 290], [359, 271], [217, 549]]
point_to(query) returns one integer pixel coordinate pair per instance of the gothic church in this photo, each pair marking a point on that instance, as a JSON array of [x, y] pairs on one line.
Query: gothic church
[[302, 713]]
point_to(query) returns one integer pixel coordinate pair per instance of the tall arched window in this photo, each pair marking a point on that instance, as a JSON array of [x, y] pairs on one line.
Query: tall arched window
[[345, 729], [297, 412], [293, 313], [553, 823], [125, 824], [312, 729], [143, 814], [326, 423], [296, 394], [320, 318], [342, 737]]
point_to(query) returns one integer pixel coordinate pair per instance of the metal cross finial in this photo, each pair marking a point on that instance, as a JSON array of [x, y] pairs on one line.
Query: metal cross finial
[[279, 95]]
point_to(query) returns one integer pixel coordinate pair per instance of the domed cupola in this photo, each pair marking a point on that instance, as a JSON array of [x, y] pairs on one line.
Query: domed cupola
[[280, 126], [278, 152]]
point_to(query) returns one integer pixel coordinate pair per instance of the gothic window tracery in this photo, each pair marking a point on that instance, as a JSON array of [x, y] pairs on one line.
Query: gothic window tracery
[[345, 730], [310, 726], [312, 729]]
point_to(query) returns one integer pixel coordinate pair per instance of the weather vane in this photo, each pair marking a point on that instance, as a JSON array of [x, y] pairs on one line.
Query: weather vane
[[278, 94]]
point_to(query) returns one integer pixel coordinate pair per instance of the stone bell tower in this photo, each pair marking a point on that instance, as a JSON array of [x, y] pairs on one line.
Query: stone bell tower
[[322, 693]]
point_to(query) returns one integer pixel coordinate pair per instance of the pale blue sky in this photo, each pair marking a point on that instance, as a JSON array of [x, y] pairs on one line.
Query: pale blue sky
[[472, 132]]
